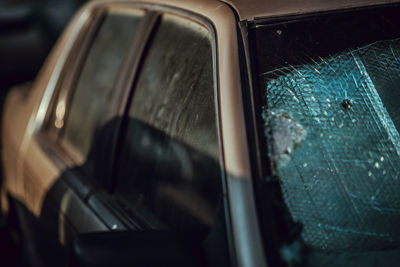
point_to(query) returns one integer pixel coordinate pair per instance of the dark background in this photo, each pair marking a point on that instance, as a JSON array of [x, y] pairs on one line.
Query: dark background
[[28, 30]]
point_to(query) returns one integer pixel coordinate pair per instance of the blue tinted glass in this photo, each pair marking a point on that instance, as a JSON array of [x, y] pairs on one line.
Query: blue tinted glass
[[333, 130]]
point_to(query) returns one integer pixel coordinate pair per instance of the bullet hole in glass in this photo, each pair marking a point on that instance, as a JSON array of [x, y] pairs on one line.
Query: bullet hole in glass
[[346, 104]]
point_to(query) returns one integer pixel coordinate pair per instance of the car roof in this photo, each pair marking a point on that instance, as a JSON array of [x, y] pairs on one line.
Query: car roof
[[252, 9]]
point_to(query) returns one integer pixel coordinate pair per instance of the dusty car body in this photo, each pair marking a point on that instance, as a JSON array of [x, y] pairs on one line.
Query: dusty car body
[[65, 186]]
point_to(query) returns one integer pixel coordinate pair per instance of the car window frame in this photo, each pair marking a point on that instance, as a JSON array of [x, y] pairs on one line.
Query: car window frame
[[209, 26], [49, 136], [182, 19]]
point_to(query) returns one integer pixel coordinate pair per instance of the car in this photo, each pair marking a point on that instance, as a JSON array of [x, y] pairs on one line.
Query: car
[[210, 133]]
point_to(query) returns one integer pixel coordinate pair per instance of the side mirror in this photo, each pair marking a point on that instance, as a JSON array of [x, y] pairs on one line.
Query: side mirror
[[134, 248]]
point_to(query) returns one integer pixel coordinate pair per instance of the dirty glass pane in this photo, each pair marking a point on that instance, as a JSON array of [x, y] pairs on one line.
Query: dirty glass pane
[[94, 87], [330, 124], [175, 90], [169, 171]]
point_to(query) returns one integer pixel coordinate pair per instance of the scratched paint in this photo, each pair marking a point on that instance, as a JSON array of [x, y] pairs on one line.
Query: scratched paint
[[333, 131]]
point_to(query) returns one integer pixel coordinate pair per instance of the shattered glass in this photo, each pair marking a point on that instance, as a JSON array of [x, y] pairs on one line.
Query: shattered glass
[[332, 128]]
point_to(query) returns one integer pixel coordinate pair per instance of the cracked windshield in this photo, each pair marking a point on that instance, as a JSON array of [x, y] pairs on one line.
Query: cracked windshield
[[330, 121]]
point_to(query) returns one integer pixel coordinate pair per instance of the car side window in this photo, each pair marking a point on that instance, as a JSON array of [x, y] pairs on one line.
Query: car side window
[[95, 84], [169, 174]]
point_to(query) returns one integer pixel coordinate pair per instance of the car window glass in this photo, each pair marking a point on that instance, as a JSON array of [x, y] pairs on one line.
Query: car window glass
[[169, 173], [329, 116], [94, 86]]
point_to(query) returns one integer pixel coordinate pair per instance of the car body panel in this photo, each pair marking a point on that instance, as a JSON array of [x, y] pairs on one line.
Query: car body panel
[[21, 124]]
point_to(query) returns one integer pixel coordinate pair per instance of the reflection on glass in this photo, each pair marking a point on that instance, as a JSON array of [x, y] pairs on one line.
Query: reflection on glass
[[95, 85]]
